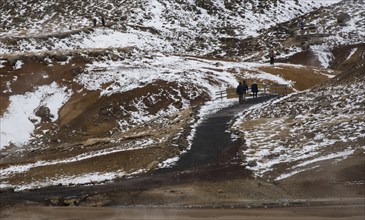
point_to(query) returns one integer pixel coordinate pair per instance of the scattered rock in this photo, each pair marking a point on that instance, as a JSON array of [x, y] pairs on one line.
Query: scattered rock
[[343, 18], [76, 71], [33, 120], [12, 62], [252, 163], [325, 104], [44, 113], [106, 111], [178, 104], [95, 200], [6, 189], [72, 201], [319, 98], [152, 165], [59, 57], [218, 64], [54, 201]]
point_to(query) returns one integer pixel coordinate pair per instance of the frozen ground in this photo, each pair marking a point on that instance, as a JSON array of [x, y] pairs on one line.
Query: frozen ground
[[310, 127]]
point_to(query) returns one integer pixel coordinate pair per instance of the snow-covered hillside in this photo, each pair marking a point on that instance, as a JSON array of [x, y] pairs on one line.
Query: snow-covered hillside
[[298, 132], [90, 102], [130, 94], [160, 25]]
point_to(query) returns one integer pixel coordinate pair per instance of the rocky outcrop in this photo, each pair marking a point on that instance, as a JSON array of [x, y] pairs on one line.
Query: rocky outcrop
[[44, 113], [343, 18]]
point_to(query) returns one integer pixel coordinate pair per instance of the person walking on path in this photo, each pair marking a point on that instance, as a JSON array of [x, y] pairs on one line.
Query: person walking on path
[[254, 89], [272, 56], [94, 21], [241, 91]]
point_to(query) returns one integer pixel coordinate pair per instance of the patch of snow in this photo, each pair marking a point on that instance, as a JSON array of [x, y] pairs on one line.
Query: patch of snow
[[340, 155], [324, 55], [18, 65], [88, 178], [15, 124], [352, 52], [292, 131], [1, 63], [169, 162]]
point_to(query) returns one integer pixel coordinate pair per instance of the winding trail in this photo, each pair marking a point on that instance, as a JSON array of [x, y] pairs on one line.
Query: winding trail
[[212, 143]]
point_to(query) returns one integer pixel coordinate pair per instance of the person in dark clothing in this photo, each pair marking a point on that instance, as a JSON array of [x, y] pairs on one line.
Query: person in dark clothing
[[103, 21], [301, 24], [240, 90], [272, 56], [94, 21], [254, 89]]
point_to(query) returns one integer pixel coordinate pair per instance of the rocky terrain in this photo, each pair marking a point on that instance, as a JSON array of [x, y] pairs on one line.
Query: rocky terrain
[[102, 106]]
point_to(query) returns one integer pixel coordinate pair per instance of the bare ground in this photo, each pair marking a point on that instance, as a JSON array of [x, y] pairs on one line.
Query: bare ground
[[218, 187], [339, 212]]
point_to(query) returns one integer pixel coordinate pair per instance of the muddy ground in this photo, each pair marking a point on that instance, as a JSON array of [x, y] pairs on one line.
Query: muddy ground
[[339, 212]]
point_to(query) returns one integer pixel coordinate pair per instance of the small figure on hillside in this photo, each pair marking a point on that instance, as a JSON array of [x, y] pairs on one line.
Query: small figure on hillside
[[4, 25], [272, 56], [301, 24], [94, 21], [241, 91], [103, 21], [254, 90]]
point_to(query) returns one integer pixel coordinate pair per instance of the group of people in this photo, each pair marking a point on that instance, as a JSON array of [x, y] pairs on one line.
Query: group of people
[[243, 88]]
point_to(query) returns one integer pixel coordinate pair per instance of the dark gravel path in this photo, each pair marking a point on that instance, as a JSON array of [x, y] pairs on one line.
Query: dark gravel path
[[212, 142]]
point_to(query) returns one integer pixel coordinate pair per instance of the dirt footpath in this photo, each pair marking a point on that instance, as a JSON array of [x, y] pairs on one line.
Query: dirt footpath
[[338, 212]]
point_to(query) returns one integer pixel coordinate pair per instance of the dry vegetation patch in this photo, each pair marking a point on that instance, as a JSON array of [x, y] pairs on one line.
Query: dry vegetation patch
[[303, 78], [139, 149]]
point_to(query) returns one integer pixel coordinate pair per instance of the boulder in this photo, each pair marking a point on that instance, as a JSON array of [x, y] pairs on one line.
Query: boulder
[[59, 57], [54, 201], [77, 70], [252, 163], [44, 113], [71, 201], [343, 18]]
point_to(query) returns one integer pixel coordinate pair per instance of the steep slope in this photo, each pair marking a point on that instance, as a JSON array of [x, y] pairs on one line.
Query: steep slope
[[308, 132]]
